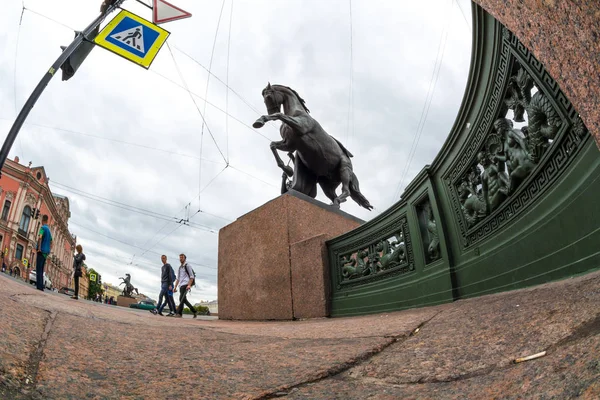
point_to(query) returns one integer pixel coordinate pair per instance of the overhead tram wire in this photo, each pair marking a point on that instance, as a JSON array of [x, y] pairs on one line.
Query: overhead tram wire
[[135, 209], [145, 147], [426, 106], [213, 179], [218, 79], [225, 159], [48, 18], [146, 261], [120, 141], [245, 173], [139, 145], [216, 216], [187, 221], [157, 243], [191, 93], [196, 104], [239, 96], [15, 70], [182, 87], [148, 147], [171, 81], [163, 227], [109, 237], [187, 89], [91, 195], [210, 104], [462, 12], [212, 55], [351, 85], [227, 84]]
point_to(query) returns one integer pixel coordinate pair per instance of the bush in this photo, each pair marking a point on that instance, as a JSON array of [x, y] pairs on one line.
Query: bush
[[201, 310]]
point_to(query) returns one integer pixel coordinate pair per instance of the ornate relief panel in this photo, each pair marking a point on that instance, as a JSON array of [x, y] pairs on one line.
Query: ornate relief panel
[[382, 254], [528, 134]]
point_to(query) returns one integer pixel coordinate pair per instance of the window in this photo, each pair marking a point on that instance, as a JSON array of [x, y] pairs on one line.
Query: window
[[5, 210], [25, 218], [19, 252]]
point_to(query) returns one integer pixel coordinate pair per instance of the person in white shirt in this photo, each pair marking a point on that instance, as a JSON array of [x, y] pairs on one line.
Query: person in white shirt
[[185, 279]]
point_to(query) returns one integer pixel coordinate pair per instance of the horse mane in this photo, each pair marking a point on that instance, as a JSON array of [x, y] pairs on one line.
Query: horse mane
[[302, 102]]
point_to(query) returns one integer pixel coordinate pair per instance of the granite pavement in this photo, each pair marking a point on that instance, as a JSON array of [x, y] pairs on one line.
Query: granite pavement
[[53, 347]]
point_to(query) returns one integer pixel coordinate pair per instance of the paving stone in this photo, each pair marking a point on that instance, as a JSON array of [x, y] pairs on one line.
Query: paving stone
[[79, 349]]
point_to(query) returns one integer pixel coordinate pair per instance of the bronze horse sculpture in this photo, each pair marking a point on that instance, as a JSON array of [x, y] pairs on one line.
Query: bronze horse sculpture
[[128, 289], [320, 158]]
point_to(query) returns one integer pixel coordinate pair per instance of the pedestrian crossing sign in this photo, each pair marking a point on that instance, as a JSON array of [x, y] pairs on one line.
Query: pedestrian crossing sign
[[133, 38]]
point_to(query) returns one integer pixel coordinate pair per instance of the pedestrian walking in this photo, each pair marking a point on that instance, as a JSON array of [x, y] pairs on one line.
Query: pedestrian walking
[[78, 260], [185, 280], [44, 246], [167, 278]]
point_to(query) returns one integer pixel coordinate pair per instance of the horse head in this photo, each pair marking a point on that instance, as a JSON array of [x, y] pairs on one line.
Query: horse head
[[273, 99]]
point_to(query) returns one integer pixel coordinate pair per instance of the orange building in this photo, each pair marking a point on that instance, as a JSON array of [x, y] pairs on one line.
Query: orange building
[[25, 197]]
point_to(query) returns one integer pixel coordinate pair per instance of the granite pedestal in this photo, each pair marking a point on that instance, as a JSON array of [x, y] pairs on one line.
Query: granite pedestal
[[123, 301], [272, 261]]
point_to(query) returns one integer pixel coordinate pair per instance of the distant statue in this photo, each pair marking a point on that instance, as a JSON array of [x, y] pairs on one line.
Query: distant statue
[[128, 289], [320, 158]]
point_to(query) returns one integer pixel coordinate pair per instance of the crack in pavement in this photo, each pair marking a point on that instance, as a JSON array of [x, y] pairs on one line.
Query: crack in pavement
[[345, 366], [582, 331], [36, 356]]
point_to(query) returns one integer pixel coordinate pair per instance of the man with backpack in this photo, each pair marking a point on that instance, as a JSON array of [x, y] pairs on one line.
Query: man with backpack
[[167, 277], [185, 280]]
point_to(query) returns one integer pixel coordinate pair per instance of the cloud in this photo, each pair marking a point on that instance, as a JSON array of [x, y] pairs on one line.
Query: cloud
[[304, 44]]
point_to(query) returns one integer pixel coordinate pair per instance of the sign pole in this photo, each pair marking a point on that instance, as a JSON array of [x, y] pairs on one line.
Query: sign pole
[[37, 92]]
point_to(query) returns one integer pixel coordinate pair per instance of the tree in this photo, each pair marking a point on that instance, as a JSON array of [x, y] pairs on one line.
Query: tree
[[95, 287]]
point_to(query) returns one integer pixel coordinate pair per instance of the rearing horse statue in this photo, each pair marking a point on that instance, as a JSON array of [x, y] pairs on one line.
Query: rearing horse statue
[[320, 158]]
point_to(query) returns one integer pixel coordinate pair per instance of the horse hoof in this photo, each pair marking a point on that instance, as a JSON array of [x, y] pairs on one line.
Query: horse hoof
[[258, 124]]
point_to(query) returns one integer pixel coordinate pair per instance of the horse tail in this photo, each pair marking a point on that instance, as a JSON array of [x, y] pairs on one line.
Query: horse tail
[[356, 195]]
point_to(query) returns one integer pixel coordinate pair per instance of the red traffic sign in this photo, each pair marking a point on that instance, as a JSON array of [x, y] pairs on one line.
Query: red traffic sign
[[163, 11]]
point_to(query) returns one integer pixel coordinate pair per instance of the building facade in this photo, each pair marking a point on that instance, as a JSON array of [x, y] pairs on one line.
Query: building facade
[[111, 290], [25, 197], [84, 283]]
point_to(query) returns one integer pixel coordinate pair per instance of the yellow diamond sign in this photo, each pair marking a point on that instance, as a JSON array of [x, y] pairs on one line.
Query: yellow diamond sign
[[133, 38]]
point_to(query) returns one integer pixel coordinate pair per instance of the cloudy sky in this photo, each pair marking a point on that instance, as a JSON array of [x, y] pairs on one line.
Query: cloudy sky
[[129, 148]]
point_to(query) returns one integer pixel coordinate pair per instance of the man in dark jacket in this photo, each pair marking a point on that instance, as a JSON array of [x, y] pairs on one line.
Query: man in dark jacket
[[167, 277], [78, 260]]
